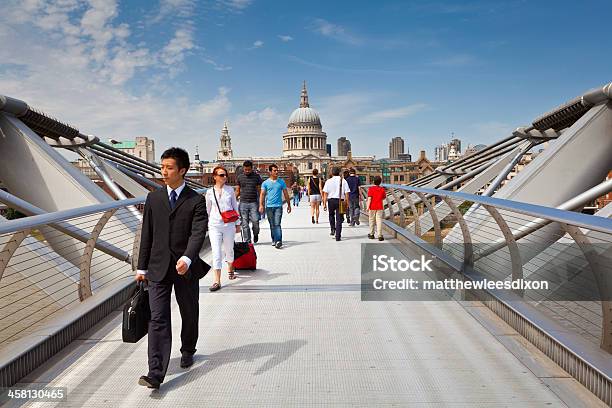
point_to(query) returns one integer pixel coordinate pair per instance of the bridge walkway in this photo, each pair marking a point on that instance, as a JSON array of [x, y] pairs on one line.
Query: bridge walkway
[[295, 332]]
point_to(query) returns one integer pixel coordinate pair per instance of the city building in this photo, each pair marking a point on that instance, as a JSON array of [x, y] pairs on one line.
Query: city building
[[605, 200], [142, 147], [396, 147], [304, 148], [85, 168], [404, 157], [453, 153], [456, 143], [441, 153], [450, 151], [305, 134], [225, 146], [470, 150], [344, 146]]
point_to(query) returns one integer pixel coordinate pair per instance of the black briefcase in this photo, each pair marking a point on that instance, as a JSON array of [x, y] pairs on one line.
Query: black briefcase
[[136, 316]]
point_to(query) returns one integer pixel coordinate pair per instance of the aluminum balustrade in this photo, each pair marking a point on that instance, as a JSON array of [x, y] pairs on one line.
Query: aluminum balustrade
[[500, 240], [51, 265]]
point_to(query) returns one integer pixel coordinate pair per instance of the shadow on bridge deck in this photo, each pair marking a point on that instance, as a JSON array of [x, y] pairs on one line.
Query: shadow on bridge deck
[[295, 332]]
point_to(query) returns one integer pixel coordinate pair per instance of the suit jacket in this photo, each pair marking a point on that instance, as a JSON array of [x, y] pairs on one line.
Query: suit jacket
[[169, 234]]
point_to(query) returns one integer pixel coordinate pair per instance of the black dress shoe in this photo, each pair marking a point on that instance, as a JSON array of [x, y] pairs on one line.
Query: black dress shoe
[[255, 238], [186, 360], [148, 382]]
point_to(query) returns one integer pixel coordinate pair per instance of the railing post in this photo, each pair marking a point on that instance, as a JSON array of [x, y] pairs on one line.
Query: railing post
[[515, 254], [11, 246], [136, 247], [389, 204], [415, 214], [85, 269], [434, 219], [397, 199], [468, 251]]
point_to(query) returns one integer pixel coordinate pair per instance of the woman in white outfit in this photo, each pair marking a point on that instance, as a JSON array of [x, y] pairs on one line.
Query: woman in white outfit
[[221, 234], [314, 195]]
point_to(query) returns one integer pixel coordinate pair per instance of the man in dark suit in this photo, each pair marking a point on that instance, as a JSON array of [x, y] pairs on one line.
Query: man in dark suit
[[173, 230]]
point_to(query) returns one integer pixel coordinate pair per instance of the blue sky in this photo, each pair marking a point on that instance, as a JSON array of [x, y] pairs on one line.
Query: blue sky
[[175, 70]]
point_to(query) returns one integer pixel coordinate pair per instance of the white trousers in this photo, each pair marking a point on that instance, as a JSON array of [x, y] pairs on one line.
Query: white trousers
[[222, 242]]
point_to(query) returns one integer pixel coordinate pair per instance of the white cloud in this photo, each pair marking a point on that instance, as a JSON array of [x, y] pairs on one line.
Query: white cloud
[[180, 8], [258, 133], [258, 44], [175, 51], [218, 107], [336, 32], [236, 5], [82, 78], [285, 38], [395, 113], [216, 65]]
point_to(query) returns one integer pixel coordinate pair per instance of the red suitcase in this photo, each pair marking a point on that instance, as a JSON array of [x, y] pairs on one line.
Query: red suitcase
[[244, 256]]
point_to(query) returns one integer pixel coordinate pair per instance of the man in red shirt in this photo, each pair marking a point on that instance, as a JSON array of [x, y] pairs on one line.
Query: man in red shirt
[[376, 195]]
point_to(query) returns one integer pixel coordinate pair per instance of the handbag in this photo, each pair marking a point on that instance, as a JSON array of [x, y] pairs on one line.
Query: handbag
[[341, 203], [229, 215], [136, 316]]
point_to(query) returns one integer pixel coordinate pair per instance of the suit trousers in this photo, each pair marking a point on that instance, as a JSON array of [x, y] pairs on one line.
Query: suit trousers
[[335, 218], [187, 292]]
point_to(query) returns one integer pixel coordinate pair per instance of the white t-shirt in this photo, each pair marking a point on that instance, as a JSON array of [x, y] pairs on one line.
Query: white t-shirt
[[332, 187]]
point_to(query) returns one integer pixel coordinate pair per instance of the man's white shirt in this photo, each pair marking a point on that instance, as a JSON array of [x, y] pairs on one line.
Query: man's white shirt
[[178, 192], [332, 187]]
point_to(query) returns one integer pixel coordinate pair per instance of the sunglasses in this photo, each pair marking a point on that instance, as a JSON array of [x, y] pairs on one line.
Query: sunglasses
[[221, 175]]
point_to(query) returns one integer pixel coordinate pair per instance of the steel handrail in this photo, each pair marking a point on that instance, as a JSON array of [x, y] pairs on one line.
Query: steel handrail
[[552, 214], [57, 216]]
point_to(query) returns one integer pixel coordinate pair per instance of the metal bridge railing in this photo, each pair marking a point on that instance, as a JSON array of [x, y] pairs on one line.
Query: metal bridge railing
[[52, 266], [496, 239], [51, 262]]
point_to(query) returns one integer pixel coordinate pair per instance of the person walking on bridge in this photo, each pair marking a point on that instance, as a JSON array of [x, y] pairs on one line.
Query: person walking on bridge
[[249, 187], [375, 206], [295, 189], [314, 195], [272, 192], [220, 198], [336, 192], [173, 230], [353, 210]]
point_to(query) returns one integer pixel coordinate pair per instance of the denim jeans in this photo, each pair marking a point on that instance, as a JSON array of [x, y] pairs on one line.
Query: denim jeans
[[296, 199], [249, 212], [275, 214], [354, 210]]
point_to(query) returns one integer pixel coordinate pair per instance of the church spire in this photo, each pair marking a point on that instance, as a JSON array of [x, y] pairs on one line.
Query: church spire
[[225, 148], [304, 97]]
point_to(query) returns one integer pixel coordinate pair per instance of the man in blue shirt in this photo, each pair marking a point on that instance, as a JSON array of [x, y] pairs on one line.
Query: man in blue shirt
[[354, 210], [273, 190]]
